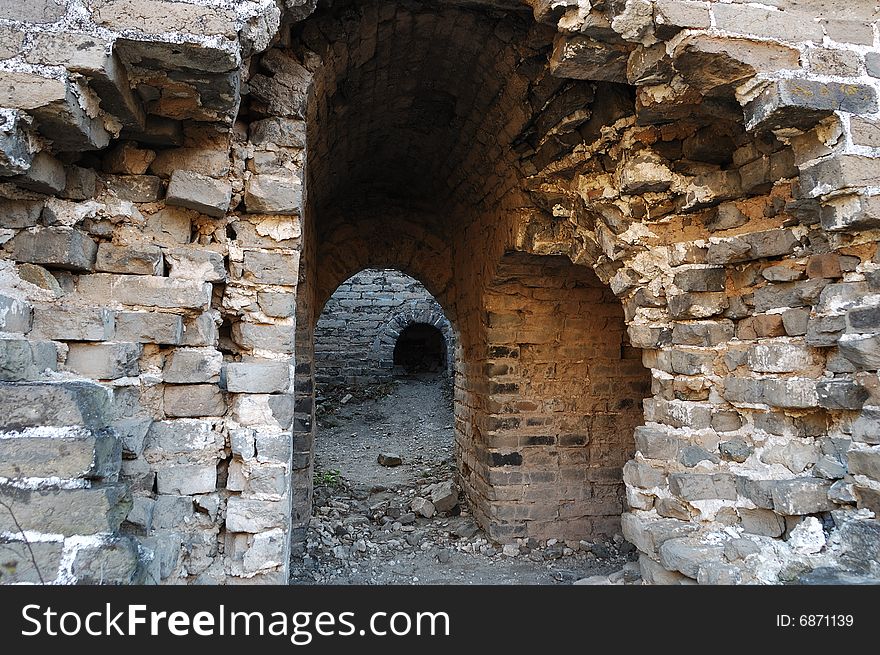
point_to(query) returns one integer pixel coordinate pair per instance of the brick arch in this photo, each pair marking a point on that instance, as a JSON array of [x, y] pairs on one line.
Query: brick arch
[[402, 242], [414, 314]]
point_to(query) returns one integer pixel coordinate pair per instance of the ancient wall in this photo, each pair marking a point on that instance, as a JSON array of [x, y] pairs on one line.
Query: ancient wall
[[358, 328], [184, 183]]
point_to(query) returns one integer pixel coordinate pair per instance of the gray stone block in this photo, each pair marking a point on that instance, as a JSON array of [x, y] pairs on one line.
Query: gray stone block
[[104, 361], [686, 555], [866, 428], [201, 331], [190, 437], [246, 515], [33, 563], [81, 183], [285, 132], [802, 103], [277, 338], [700, 279], [110, 563], [53, 404], [277, 304], [62, 452], [132, 432], [134, 188], [271, 267], [192, 365], [15, 315], [194, 263], [45, 175], [841, 394], [865, 462], [145, 291], [762, 522], [186, 479], [68, 512], [697, 486], [15, 149], [199, 192], [801, 496], [258, 377], [193, 400], [654, 442], [23, 359], [140, 259], [57, 247], [850, 212], [18, 214], [149, 327], [862, 350], [273, 194], [70, 323]]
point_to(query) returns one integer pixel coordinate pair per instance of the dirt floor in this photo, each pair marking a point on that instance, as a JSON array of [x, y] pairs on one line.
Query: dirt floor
[[375, 524]]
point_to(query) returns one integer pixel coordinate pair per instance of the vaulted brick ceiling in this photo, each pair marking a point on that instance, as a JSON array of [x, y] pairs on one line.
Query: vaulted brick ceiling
[[418, 105]]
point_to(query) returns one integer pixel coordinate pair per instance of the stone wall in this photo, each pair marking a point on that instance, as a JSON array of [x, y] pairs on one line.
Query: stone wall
[[184, 182], [359, 326]]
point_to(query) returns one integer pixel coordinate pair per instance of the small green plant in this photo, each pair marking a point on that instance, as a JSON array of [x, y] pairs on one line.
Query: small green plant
[[329, 478]]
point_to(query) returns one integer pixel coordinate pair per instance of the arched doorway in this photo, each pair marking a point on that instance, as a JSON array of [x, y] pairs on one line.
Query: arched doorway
[[420, 348]]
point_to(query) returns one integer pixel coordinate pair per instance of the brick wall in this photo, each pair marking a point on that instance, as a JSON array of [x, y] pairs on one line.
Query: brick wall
[[361, 322]]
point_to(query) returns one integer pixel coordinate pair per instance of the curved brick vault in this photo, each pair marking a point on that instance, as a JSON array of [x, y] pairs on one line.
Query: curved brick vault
[[186, 182]]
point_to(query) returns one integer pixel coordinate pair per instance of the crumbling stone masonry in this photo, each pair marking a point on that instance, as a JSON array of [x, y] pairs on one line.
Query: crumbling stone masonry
[[579, 184], [362, 322]]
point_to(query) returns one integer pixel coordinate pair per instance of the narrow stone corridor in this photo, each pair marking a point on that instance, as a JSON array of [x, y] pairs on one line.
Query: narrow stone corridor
[[370, 524]]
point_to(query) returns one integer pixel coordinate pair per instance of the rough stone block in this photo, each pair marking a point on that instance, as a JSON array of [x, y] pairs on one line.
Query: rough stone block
[[23, 359], [33, 11], [65, 511], [139, 259], [149, 327], [653, 573], [245, 515], [53, 404], [865, 462], [194, 400], [185, 436], [81, 183], [273, 194], [104, 361], [866, 428], [801, 104], [762, 522], [277, 304], [15, 315], [696, 486], [271, 267], [62, 452], [199, 192], [686, 555], [193, 263], [186, 479], [15, 150], [697, 305], [258, 377], [127, 159], [862, 350], [193, 365], [146, 291], [68, 323], [841, 394], [57, 247], [851, 212], [582, 58], [201, 331], [134, 188], [284, 132], [277, 338], [33, 563], [779, 358], [56, 108], [108, 563], [801, 496], [842, 172], [654, 442], [700, 279], [17, 214]]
